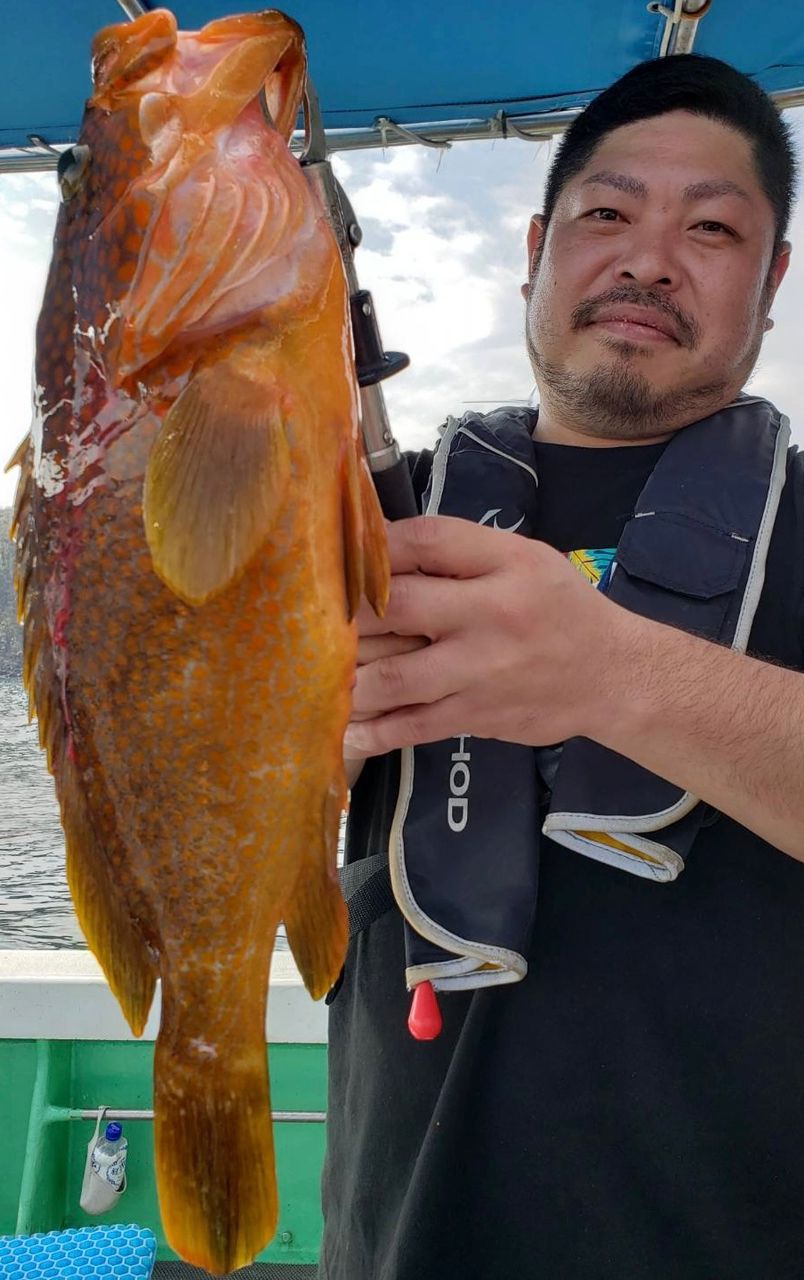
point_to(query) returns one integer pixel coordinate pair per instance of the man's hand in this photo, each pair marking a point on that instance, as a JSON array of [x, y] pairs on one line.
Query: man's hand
[[518, 642], [371, 647], [523, 650]]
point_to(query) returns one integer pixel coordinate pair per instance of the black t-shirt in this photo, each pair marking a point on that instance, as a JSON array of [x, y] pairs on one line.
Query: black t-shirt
[[634, 1108]]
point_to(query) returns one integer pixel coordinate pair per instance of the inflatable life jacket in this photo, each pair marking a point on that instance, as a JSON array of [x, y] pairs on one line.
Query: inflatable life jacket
[[463, 857]]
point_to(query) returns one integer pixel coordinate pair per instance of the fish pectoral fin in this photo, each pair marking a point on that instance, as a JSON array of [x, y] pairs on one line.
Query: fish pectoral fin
[[316, 920], [365, 548], [216, 481]]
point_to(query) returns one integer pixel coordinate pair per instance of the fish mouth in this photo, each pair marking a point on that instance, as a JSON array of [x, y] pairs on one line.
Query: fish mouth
[[282, 90], [125, 52], [270, 62]]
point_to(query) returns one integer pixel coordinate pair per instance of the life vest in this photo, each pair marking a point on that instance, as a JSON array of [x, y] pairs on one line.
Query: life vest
[[463, 853]]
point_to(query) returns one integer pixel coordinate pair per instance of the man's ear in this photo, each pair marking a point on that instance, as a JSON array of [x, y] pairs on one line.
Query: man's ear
[[779, 269], [535, 234]]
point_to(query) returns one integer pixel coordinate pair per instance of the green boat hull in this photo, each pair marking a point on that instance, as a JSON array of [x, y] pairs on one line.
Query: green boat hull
[[47, 1082]]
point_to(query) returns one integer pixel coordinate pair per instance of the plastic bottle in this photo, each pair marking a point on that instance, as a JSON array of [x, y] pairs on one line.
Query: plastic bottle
[[109, 1156]]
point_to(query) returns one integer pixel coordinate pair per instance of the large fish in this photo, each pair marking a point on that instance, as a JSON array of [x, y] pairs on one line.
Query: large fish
[[195, 525]]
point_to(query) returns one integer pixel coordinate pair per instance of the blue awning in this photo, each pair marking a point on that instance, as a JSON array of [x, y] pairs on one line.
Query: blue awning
[[415, 62]]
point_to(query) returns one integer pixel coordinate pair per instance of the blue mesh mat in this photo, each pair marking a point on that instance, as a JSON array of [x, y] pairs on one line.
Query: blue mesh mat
[[82, 1253]]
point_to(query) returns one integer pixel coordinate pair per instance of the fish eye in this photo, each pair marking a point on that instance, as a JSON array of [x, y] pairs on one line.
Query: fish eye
[[71, 170]]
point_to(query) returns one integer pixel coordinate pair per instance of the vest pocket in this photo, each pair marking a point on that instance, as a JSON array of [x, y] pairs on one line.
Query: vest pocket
[[680, 572]]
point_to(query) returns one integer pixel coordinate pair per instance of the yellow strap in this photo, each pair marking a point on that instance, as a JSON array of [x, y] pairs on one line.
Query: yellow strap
[[601, 837]]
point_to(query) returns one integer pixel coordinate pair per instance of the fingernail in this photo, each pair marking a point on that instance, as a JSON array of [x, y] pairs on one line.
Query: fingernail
[[355, 738]]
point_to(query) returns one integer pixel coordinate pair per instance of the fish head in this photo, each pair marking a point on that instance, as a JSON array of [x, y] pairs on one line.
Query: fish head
[[200, 80], [189, 214]]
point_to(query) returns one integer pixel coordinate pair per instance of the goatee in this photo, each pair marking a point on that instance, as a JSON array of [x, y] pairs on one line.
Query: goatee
[[616, 402]]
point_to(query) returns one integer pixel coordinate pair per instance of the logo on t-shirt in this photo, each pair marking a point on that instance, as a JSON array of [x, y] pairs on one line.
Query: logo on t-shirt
[[596, 564]]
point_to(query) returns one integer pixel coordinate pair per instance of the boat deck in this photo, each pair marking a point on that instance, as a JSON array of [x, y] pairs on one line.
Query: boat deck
[[259, 1271]]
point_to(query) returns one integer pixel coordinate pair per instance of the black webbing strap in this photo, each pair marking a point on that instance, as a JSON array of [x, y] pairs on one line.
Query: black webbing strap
[[366, 886]]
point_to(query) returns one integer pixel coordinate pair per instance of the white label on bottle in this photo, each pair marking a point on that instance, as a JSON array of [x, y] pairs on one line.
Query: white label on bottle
[[111, 1168]]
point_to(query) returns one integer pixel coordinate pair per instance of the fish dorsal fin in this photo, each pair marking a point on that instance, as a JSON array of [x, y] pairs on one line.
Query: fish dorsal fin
[[216, 480], [111, 923], [18, 456]]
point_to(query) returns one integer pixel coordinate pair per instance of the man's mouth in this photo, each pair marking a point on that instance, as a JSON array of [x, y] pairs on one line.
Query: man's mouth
[[636, 323]]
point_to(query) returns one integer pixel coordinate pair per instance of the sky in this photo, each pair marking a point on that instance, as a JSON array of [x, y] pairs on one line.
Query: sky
[[444, 256]]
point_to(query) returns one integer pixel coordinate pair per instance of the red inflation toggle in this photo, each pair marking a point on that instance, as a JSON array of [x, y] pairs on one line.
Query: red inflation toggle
[[424, 1022]]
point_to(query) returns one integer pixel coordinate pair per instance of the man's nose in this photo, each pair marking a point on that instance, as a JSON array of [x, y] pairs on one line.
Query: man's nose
[[648, 260]]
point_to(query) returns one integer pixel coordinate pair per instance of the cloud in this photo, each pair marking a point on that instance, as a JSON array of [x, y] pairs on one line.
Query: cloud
[[443, 254], [28, 204], [778, 371]]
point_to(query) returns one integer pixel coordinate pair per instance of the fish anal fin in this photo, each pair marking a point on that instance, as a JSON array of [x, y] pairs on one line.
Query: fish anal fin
[[377, 570], [316, 919], [216, 480]]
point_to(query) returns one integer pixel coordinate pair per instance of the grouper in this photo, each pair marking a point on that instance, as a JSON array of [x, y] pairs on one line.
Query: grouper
[[195, 526]]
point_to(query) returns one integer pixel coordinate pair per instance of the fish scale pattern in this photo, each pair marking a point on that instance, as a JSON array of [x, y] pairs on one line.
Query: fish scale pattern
[[80, 1253]]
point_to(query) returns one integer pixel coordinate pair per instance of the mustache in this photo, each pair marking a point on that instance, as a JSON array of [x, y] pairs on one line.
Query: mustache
[[687, 331]]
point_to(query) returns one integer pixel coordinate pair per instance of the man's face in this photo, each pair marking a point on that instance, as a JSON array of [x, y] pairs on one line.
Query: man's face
[[666, 224]]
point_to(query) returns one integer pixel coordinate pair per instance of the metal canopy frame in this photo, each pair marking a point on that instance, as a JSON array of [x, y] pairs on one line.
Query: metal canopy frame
[[682, 21]]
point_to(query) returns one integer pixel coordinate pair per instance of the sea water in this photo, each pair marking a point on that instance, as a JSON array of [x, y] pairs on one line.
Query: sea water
[[35, 906]]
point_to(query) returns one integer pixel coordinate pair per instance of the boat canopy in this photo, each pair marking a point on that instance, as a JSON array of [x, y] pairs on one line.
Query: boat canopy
[[424, 70]]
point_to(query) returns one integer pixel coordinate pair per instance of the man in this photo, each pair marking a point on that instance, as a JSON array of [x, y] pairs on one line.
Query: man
[[633, 1108]]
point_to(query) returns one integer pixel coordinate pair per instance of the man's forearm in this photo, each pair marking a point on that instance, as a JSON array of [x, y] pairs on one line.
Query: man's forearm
[[726, 727]]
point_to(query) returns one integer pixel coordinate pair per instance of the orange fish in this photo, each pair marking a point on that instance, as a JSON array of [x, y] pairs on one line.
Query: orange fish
[[195, 526]]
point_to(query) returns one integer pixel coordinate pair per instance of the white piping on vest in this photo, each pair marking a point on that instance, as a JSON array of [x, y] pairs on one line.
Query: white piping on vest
[[468, 971]]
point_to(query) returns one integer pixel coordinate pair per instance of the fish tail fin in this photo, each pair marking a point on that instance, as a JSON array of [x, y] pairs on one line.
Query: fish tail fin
[[213, 1135], [316, 919]]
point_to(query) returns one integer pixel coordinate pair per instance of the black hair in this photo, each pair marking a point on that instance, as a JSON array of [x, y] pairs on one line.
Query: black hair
[[686, 82]]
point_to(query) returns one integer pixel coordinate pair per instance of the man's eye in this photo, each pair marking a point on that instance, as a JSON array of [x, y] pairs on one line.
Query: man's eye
[[593, 213], [710, 225]]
